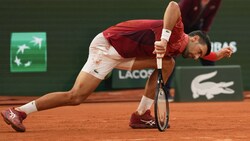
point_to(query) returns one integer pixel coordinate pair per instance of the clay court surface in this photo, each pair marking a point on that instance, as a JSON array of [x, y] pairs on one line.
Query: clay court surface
[[105, 117]]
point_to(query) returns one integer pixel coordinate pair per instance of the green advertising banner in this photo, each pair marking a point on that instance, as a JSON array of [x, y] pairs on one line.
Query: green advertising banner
[[69, 27], [218, 83], [130, 79], [28, 52]]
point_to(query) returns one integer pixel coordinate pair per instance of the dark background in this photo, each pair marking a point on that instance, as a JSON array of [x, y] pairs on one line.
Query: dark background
[[70, 26]]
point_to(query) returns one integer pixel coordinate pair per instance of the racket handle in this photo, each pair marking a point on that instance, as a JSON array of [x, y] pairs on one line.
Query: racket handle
[[159, 63]]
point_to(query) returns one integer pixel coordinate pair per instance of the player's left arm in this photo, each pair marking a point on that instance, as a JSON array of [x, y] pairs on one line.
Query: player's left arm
[[171, 15], [223, 53]]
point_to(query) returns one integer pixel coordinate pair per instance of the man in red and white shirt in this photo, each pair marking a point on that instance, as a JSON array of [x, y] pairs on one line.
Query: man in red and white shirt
[[128, 45], [199, 15]]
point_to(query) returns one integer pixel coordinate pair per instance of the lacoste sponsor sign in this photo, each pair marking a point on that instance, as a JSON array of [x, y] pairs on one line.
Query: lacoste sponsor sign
[[208, 83], [135, 74], [130, 79], [28, 52], [202, 86]]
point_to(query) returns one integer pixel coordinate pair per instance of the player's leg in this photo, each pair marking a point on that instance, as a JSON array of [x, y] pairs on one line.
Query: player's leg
[[142, 117], [168, 86], [85, 84], [168, 65], [95, 69]]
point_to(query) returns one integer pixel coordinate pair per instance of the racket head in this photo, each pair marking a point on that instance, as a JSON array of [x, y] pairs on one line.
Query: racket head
[[161, 107]]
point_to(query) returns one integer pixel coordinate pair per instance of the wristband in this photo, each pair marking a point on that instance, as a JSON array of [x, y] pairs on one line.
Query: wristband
[[166, 34]]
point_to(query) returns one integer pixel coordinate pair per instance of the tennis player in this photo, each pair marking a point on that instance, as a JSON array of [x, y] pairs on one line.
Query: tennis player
[[128, 45]]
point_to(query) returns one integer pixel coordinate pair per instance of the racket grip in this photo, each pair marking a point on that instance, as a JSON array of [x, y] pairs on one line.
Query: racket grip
[[159, 63]]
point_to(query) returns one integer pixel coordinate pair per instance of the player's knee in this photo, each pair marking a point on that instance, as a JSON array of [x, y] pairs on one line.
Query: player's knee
[[75, 98], [168, 63], [168, 66], [172, 61]]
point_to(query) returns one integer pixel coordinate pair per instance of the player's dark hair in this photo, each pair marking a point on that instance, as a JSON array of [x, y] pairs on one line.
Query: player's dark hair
[[204, 39]]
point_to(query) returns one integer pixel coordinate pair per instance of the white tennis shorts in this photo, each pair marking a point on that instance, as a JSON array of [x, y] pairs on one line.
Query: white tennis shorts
[[103, 58]]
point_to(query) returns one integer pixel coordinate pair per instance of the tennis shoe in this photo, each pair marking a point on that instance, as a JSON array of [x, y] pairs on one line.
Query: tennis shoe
[[170, 98], [142, 121], [14, 118]]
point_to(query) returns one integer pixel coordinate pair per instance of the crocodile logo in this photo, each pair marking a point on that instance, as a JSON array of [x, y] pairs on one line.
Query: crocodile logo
[[209, 88]]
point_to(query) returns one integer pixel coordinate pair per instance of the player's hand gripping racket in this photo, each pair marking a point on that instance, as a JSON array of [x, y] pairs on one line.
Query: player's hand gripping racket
[[161, 105]]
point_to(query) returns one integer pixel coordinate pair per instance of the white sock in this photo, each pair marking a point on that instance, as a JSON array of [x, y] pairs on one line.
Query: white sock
[[28, 108], [144, 105]]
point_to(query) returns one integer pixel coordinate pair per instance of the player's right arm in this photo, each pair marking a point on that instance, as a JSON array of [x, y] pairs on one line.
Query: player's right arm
[[171, 15], [223, 53]]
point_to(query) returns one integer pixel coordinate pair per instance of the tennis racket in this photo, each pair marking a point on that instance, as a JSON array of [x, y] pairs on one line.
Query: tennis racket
[[161, 105]]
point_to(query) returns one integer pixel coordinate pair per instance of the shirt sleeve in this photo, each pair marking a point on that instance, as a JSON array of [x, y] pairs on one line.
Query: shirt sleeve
[[211, 57]]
